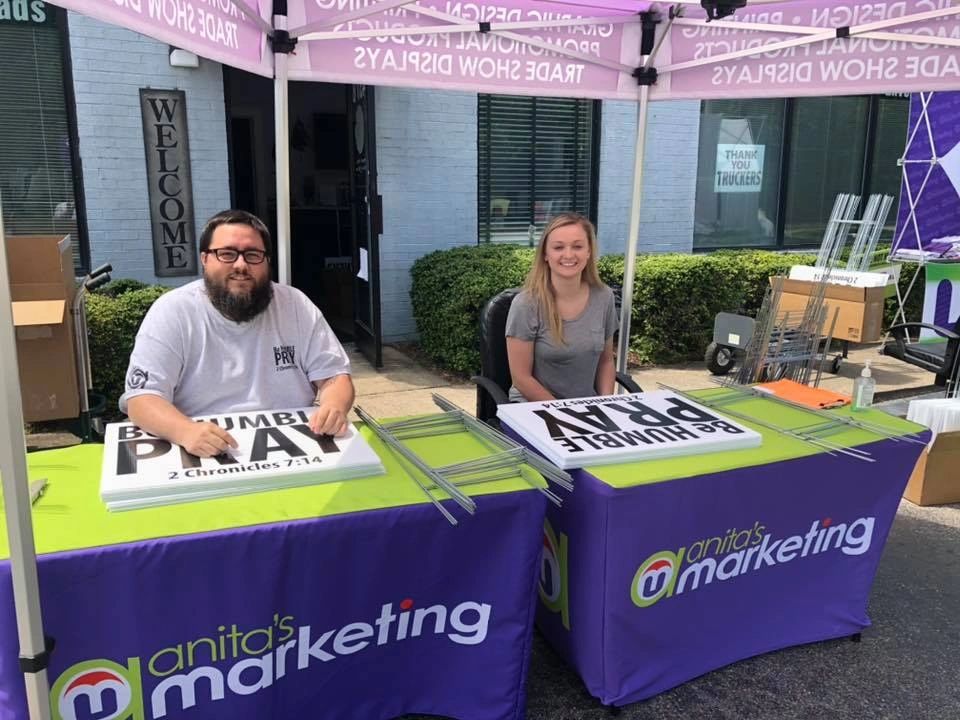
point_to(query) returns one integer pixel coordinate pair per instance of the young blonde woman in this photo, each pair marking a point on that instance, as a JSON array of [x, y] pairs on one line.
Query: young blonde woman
[[561, 325]]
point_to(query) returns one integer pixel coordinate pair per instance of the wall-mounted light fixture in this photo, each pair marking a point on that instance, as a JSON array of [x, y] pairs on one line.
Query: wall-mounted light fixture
[[183, 58]]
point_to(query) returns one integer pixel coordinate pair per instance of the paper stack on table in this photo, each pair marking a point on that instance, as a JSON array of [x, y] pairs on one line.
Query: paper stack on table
[[623, 428], [941, 415], [276, 450]]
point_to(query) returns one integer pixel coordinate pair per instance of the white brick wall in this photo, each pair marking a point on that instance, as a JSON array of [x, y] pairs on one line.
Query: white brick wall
[[427, 176], [669, 176], [110, 65]]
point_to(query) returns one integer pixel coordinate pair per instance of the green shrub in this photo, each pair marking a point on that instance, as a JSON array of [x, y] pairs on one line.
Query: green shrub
[[120, 286], [675, 299], [113, 322], [450, 287], [913, 307]]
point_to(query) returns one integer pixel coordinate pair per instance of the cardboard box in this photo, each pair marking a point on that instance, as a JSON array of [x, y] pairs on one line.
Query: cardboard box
[[936, 478], [42, 288], [860, 317]]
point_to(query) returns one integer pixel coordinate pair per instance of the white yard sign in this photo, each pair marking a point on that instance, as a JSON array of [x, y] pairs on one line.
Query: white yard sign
[[622, 428], [276, 449], [739, 168]]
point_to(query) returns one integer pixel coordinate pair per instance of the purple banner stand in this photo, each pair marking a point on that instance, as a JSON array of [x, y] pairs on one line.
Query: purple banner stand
[[368, 615], [929, 207], [646, 587]]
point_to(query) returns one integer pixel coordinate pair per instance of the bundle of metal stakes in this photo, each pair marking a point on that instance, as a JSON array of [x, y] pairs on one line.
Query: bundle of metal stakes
[[507, 459], [816, 433]]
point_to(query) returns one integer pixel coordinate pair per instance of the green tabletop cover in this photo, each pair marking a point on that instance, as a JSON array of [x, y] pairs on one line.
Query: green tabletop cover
[[776, 446], [70, 515]]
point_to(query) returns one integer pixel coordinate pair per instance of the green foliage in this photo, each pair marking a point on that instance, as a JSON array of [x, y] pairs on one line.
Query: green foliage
[[913, 307], [120, 286], [675, 298], [450, 287], [113, 321]]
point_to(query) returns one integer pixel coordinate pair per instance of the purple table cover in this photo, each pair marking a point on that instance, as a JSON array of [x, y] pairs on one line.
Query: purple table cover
[[368, 615], [646, 587]]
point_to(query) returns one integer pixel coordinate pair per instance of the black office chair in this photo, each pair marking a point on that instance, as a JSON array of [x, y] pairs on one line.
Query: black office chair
[[493, 382], [940, 358]]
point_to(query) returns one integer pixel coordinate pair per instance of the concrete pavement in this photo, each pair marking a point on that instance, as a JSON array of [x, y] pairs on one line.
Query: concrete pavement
[[403, 386]]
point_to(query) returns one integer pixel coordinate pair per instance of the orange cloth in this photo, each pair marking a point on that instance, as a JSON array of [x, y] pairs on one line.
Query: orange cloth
[[816, 398]]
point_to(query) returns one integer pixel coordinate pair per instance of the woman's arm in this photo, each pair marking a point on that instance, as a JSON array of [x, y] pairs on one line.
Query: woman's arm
[[606, 371], [520, 358]]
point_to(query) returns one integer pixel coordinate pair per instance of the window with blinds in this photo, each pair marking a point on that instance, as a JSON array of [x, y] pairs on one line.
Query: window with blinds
[[536, 159], [36, 170]]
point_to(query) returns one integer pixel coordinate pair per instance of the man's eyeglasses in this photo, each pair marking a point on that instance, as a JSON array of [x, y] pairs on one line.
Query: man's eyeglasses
[[230, 255]]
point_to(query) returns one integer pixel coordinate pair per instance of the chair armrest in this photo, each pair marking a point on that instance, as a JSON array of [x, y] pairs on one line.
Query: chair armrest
[[628, 383], [495, 392], [899, 331]]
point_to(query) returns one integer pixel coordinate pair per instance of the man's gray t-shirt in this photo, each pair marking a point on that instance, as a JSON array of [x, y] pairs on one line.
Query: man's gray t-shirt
[[188, 353], [570, 370]]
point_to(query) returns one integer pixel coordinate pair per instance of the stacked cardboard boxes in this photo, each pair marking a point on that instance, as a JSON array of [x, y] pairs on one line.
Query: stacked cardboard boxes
[[860, 316], [936, 478], [42, 289]]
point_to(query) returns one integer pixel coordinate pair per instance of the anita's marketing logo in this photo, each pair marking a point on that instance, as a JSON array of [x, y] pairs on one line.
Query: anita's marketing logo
[[191, 674], [739, 552], [553, 587], [88, 689]]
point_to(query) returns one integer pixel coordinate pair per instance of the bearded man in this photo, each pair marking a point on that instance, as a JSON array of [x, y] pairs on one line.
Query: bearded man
[[233, 342]]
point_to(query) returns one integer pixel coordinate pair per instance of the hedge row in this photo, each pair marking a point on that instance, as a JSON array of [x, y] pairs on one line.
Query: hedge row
[[676, 297], [114, 314], [675, 300]]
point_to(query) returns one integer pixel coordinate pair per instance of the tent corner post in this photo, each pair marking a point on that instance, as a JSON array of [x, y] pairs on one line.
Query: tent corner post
[[17, 511], [633, 233], [283, 45]]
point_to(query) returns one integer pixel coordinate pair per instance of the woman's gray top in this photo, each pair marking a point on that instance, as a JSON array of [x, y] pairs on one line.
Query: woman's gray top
[[570, 370]]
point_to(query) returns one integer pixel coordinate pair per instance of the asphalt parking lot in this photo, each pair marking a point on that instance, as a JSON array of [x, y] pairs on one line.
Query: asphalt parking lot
[[906, 666]]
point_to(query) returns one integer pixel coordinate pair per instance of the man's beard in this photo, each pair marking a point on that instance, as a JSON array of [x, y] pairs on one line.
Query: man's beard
[[240, 307]]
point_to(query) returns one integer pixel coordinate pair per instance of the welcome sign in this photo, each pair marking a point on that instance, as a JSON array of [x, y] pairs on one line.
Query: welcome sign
[[275, 449], [621, 428]]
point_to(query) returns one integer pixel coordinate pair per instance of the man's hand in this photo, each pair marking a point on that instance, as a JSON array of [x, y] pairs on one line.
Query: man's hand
[[328, 419], [334, 400], [205, 439]]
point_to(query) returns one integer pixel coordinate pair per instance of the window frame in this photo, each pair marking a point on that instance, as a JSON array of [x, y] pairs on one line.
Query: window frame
[[789, 117], [485, 234]]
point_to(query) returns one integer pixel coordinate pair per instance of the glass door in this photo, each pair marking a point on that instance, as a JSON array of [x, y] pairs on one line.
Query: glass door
[[367, 225]]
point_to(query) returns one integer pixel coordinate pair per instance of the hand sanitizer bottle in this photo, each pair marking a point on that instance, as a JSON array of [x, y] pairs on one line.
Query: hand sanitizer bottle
[[863, 389]]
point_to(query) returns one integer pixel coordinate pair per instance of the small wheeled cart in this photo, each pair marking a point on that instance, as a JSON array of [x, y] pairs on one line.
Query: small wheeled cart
[[732, 335]]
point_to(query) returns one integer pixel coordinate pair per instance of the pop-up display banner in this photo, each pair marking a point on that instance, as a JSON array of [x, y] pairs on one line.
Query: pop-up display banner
[[276, 448], [621, 428]]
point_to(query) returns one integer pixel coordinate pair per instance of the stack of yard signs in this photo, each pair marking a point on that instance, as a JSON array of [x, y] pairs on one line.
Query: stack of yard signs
[[276, 449], [623, 428]]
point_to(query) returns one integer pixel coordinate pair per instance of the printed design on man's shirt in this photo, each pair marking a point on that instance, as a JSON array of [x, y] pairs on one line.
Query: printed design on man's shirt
[[137, 378], [284, 357]]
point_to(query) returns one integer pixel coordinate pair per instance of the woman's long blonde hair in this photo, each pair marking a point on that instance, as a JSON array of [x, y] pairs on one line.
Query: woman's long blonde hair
[[538, 282]]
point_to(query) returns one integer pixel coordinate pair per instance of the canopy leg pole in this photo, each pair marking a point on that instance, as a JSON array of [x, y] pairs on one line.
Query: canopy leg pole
[[281, 108], [633, 239], [16, 507]]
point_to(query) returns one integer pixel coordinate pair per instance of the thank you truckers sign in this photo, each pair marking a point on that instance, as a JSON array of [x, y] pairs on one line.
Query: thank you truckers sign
[[621, 428], [169, 184]]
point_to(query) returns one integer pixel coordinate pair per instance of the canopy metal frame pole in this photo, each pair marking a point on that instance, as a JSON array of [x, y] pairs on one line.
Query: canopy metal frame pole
[[282, 45], [633, 234], [646, 75], [16, 507]]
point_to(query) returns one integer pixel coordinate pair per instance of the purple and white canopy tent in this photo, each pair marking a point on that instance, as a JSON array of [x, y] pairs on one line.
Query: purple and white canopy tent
[[614, 49]]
